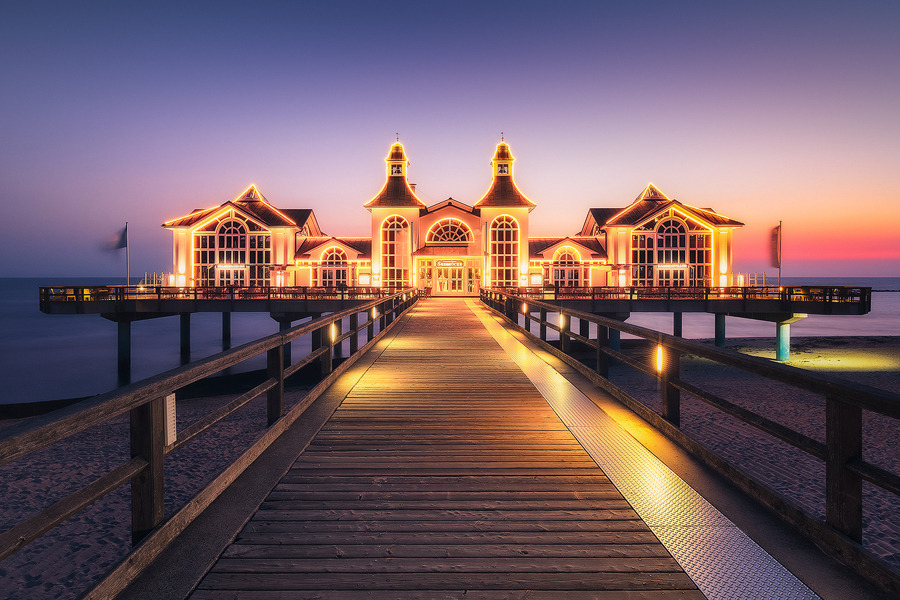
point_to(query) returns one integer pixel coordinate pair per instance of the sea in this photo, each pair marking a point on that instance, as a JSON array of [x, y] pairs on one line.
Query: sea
[[52, 357]]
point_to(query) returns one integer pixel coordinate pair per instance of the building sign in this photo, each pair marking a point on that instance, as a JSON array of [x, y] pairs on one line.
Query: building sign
[[450, 263]]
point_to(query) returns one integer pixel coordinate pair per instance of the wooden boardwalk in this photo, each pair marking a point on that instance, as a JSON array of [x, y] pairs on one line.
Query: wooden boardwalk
[[444, 472]]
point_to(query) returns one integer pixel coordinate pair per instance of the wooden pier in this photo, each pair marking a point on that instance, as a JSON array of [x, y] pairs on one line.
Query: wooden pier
[[444, 472]]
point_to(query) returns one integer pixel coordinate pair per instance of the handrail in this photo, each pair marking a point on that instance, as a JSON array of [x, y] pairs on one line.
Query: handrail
[[145, 401], [120, 293], [842, 451], [826, 295]]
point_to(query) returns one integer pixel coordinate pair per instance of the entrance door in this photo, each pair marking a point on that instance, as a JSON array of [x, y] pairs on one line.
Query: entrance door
[[449, 281], [671, 276], [235, 277]]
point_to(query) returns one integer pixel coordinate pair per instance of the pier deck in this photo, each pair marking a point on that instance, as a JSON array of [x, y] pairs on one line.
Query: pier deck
[[443, 471]]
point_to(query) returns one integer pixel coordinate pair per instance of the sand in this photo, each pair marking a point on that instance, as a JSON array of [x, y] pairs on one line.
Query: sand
[[69, 559]]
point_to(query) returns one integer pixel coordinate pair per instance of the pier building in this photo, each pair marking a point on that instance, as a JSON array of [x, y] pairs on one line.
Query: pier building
[[452, 248]]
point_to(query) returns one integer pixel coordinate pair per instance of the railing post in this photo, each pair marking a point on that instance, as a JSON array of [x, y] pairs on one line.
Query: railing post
[[370, 330], [584, 328], [544, 324], [328, 342], [275, 395], [843, 487], [671, 396], [338, 350], [148, 423], [382, 319], [354, 327], [602, 357], [564, 322]]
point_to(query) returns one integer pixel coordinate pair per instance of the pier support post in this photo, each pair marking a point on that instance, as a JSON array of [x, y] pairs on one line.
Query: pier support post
[[226, 330], [677, 324], [615, 339], [782, 341], [124, 353], [720, 330], [185, 319]]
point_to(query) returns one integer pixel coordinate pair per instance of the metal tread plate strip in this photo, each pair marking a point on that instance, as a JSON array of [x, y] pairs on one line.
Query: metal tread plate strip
[[721, 559]]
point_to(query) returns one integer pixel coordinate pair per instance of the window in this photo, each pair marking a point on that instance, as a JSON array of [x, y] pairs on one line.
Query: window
[[224, 254], [504, 252], [396, 169], [449, 231], [669, 255], [502, 169], [567, 268], [334, 268], [395, 252]]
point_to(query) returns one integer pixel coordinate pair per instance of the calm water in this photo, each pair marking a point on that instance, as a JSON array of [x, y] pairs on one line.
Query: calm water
[[47, 357]]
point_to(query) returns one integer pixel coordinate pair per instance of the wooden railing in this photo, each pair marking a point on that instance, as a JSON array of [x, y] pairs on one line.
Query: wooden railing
[[787, 293], [146, 400], [143, 292], [845, 469]]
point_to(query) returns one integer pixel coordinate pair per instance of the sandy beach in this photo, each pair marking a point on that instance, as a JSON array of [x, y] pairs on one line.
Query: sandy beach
[[66, 561]]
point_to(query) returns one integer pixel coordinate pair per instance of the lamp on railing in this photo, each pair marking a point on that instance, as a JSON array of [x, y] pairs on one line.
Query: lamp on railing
[[659, 357]]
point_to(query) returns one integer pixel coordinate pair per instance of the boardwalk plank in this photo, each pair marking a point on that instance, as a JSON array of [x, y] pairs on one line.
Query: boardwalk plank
[[445, 473]]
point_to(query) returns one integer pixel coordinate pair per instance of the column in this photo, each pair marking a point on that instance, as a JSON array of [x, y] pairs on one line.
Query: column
[[185, 338], [226, 330], [720, 330], [124, 352]]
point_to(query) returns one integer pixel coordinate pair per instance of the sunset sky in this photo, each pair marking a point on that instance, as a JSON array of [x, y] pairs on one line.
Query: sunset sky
[[140, 112]]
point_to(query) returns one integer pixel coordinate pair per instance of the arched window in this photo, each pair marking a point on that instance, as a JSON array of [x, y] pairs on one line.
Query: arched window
[[334, 268], [671, 253], [395, 252], [449, 231], [232, 257], [504, 252], [567, 268]]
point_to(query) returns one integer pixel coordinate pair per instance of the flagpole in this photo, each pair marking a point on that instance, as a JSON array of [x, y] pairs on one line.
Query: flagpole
[[780, 237], [127, 258]]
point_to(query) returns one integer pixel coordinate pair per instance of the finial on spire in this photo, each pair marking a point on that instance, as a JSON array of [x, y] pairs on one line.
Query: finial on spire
[[501, 136], [398, 136]]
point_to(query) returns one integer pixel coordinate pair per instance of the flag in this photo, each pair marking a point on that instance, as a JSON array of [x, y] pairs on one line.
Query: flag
[[119, 240], [776, 246]]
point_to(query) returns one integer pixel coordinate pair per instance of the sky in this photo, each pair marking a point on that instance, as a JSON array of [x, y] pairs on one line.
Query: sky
[[142, 111]]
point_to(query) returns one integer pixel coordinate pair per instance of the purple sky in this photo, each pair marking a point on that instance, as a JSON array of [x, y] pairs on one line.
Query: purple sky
[[764, 111]]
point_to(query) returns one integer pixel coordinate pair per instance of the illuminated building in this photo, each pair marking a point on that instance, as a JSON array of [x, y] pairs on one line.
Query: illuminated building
[[452, 248]]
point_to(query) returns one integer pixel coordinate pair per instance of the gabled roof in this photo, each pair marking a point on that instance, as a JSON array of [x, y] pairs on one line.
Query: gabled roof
[[651, 202], [250, 202], [449, 203], [597, 216], [361, 245], [537, 246]]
